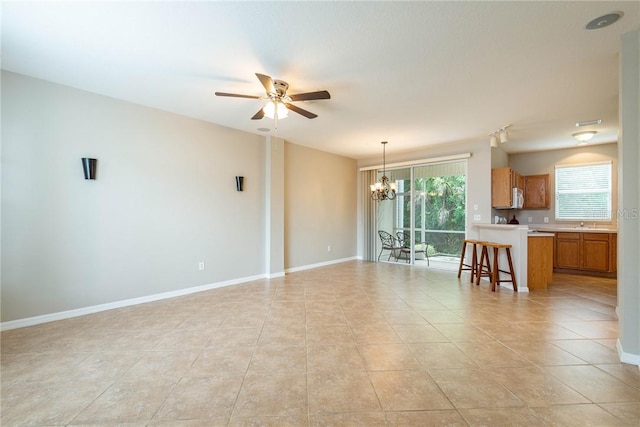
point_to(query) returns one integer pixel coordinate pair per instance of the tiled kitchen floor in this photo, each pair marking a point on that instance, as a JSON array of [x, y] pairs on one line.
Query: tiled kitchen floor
[[352, 344]]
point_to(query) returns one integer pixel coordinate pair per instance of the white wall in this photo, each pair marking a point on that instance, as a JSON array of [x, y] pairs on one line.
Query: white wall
[[320, 206], [544, 162], [164, 199], [629, 190]]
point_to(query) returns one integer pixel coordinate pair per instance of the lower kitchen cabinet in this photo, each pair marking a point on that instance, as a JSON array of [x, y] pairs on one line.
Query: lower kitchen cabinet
[[595, 251], [539, 262], [586, 251], [567, 253]]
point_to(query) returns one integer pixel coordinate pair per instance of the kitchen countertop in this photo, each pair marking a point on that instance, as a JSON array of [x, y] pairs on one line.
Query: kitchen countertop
[[547, 228], [575, 230]]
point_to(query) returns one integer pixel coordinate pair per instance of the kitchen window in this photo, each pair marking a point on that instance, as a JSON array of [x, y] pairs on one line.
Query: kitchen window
[[583, 192]]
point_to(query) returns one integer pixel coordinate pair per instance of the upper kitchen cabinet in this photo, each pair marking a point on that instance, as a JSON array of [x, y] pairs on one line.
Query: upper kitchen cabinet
[[503, 180], [536, 191]]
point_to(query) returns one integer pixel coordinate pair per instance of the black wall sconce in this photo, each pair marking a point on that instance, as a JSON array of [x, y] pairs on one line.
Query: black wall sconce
[[239, 182], [89, 167]]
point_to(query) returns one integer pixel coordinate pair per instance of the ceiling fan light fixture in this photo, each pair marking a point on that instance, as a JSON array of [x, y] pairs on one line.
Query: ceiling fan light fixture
[[274, 107], [585, 136]]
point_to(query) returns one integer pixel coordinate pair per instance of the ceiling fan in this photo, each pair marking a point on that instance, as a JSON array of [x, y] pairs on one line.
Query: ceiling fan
[[278, 99]]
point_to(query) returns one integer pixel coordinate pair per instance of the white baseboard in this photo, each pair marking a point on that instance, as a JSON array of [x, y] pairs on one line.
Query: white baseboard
[[275, 275], [320, 264], [36, 320], [632, 359]]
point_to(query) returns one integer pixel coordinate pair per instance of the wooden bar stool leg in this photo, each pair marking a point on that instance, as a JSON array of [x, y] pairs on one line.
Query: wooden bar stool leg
[[480, 266], [495, 278], [513, 277], [474, 263], [464, 250], [484, 266]]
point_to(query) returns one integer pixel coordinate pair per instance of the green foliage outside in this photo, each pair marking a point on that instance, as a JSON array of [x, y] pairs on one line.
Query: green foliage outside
[[439, 205]]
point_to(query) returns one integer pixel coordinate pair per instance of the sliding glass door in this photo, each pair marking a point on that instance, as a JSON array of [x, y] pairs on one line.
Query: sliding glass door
[[427, 218]]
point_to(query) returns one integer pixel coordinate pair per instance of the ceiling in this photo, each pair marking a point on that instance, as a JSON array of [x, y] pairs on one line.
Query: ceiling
[[414, 74]]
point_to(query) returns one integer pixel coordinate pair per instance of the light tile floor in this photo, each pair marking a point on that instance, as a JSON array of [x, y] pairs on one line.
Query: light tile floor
[[352, 344]]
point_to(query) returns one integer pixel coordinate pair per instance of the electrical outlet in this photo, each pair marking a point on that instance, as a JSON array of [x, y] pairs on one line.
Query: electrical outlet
[[530, 220], [201, 265], [546, 220], [477, 217], [328, 248]]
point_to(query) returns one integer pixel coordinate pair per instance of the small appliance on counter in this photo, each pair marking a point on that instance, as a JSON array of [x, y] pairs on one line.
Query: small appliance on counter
[[514, 220], [500, 220]]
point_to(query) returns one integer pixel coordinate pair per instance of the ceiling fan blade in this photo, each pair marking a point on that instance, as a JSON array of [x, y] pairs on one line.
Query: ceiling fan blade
[[307, 114], [321, 94], [267, 82], [258, 115], [235, 95]]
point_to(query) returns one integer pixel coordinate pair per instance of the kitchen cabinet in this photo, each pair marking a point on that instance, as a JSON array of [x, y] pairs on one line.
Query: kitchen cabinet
[[539, 261], [502, 182], [567, 250], [536, 191], [586, 251]]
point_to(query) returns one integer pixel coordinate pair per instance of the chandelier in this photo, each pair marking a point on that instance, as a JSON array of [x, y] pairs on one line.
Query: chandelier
[[383, 189]]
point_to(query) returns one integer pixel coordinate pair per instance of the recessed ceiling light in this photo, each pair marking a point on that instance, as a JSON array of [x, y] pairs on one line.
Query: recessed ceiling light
[[604, 20], [264, 129]]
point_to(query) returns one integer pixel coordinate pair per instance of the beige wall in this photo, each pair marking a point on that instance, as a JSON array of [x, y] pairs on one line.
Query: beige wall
[[320, 206], [544, 163], [164, 200]]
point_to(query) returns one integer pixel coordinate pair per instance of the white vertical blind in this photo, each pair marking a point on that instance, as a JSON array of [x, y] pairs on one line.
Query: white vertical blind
[[369, 217]]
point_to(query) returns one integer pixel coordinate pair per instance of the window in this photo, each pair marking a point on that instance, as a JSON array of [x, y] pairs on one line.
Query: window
[[583, 192]]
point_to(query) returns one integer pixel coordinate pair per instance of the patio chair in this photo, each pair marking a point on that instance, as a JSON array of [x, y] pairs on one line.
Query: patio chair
[[404, 239], [388, 244]]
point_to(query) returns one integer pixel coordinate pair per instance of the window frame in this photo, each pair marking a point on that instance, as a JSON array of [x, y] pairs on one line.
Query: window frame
[[608, 211]]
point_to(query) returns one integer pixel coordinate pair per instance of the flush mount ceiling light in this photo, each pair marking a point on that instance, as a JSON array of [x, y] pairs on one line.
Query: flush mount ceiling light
[[383, 189], [604, 21], [584, 136]]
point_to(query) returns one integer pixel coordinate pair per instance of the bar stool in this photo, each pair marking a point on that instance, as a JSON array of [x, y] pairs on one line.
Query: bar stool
[[484, 266], [473, 267]]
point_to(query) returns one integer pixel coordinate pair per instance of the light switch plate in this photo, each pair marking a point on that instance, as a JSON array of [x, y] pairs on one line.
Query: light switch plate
[[546, 220]]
